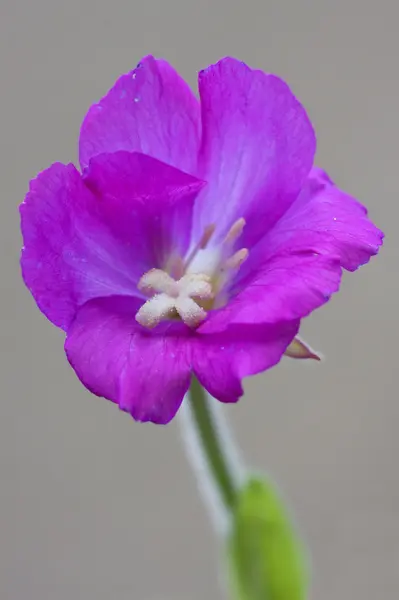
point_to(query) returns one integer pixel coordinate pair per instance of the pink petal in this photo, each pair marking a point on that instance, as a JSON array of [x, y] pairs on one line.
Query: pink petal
[[81, 243], [296, 266], [146, 373], [149, 110], [221, 361], [257, 149], [285, 288], [69, 255], [148, 203], [326, 213]]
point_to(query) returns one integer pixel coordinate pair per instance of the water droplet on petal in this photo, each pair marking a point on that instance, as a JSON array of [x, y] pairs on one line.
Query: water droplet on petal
[[134, 75], [136, 99]]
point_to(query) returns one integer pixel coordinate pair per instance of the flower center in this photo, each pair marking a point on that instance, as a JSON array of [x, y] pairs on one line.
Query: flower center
[[188, 288]]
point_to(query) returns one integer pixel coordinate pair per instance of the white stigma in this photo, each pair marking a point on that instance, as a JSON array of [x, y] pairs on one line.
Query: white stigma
[[197, 280], [171, 297]]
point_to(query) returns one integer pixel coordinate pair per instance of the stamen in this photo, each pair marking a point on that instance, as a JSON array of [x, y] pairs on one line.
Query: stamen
[[175, 267], [155, 310], [235, 261], [235, 231], [202, 244], [191, 287], [206, 236]]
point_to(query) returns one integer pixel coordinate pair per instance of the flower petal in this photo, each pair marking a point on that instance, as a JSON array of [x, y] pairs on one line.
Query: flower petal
[[149, 110], [285, 288], [221, 360], [297, 265], [69, 255], [257, 149], [146, 373], [327, 214], [149, 204], [82, 243]]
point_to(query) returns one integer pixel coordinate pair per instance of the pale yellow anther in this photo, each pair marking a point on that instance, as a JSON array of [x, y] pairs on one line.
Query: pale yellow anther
[[235, 261], [191, 286], [235, 231]]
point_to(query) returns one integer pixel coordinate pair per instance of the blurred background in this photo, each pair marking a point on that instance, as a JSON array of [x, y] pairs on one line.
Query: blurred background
[[94, 506]]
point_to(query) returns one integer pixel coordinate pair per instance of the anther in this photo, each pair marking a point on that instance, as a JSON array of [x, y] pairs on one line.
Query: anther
[[201, 245], [235, 231], [206, 236], [235, 261]]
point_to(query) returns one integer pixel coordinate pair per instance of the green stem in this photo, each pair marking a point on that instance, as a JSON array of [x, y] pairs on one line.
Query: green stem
[[210, 441]]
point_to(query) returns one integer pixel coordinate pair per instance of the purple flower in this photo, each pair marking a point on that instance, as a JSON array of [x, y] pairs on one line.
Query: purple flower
[[196, 238]]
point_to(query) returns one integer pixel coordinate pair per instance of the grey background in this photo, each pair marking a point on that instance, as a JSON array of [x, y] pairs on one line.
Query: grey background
[[93, 506]]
